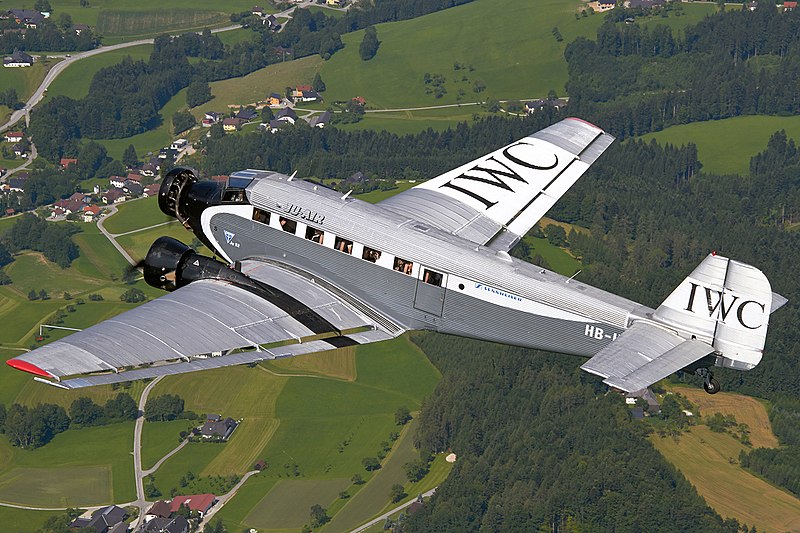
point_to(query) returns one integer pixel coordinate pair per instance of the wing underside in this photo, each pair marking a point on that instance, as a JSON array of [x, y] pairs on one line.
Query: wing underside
[[182, 331], [642, 355], [496, 199]]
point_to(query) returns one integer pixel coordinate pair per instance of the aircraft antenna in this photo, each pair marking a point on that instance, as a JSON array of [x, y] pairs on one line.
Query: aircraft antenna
[[573, 276], [347, 194], [292, 176]]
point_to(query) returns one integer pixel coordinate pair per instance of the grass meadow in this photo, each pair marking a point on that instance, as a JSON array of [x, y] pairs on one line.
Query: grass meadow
[[23, 80], [19, 520], [75, 80], [136, 214], [726, 146]]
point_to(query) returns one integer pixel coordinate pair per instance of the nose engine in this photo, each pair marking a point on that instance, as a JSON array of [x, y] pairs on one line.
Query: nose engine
[[170, 264]]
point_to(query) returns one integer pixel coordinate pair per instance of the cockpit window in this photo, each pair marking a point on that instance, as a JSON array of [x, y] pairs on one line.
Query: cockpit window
[[235, 182], [432, 278], [259, 215], [401, 265], [343, 245], [314, 234], [288, 225], [371, 254]]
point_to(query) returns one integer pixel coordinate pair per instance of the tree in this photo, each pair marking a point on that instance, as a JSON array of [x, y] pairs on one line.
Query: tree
[[319, 515], [369, 45], [84, 412], [357, 479], [556, 235], [129, 157], [402, 416], [32, 294], [397, 493], [133, 295], [64, 21], [370, 463], [182, 121], [267, 114], [42, 5], [198, 92], [43, 295], [215, 527], [164, 407], [415, 470], [121, 407], [318, 85]]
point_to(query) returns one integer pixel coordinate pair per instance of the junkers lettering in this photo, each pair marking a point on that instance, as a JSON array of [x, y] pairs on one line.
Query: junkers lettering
[[724, 310], [305, 214], [492, 176]]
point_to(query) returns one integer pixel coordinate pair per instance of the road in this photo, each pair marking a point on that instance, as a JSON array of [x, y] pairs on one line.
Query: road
[[141, 502], [222, 500], [387, 514], [111, 238]]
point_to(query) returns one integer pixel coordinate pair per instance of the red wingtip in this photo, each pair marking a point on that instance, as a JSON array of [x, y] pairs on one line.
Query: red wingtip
[[28, 367], [585, 122]]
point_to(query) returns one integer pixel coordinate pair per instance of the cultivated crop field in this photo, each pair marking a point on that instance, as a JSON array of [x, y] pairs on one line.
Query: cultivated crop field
[[710, 462]]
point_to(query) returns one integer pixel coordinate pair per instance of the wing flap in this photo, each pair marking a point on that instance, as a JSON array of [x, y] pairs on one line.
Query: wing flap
[[642, 355]]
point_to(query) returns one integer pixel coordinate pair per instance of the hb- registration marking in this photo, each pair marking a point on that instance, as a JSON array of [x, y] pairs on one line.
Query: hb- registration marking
[[598, 333]]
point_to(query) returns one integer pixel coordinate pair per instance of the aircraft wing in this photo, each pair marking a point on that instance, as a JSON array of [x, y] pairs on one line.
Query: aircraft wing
[[642, 355], [496, 199], [291, 316]]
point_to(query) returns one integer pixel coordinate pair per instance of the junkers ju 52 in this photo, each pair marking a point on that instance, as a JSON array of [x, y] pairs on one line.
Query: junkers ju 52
[[308, 269]]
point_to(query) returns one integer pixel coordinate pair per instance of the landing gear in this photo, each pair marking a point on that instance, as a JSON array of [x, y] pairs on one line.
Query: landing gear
[[710, 384]]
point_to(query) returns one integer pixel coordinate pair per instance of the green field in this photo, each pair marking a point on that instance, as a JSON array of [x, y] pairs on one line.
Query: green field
[[24, 80], [257, 85], [409, 122], [160, 438], [509, 45], [135, 215], [678, 19], [710, 462], [152, 140], [376, 196], [22, 520], [287, 504], [55, 475], [726, 146], [75, 80], [138, 243]]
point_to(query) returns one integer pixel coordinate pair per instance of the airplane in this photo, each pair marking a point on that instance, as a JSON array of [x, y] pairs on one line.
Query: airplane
[[309, 269]]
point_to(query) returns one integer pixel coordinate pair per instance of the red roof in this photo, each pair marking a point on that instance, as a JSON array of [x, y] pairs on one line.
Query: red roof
[[14, 134], [360, 100], [93, 209], [304, 87], [134, 177], [195, 502], [65, 162], [790, 4]]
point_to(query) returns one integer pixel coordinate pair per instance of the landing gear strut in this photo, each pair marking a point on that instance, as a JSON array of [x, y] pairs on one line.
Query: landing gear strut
[[710, 384]]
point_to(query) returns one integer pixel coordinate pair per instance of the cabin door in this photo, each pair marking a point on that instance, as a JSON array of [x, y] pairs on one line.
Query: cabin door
[[429, 297]]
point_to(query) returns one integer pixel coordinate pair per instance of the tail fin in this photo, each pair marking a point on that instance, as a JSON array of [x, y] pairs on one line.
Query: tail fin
[[726, 304]]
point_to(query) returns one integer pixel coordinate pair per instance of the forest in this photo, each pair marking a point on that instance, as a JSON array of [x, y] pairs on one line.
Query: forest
[[48, 37]]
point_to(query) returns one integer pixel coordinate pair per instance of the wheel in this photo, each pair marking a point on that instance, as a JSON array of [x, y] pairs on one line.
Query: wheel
[[711, 386]]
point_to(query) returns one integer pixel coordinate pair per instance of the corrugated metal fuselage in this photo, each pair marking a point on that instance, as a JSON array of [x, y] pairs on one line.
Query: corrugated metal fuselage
[[483, 294]]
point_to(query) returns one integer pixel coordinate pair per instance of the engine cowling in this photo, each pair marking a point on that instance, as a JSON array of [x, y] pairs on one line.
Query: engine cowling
[[170, 265]]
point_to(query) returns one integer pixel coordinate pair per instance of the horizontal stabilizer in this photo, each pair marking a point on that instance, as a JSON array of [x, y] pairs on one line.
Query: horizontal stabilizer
[[642, 355]]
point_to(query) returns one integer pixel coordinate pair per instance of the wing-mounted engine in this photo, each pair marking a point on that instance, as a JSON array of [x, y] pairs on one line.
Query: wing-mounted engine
[[170, 265]]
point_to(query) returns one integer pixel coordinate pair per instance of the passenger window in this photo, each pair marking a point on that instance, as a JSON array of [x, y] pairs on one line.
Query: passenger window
[[314, 234], [371, 255], [260, 215], [343, 245], [432, 278], [401, 265], [287, 225]]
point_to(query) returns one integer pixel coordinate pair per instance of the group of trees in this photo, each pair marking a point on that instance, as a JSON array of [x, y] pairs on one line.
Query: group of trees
[[369, 45], [48, 36], [165, 407], [32, 427], [30, 232]]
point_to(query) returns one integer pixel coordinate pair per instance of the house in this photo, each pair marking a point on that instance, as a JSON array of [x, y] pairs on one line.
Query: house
[[20, 150], [78, 28], [309, 96], [286, 114], [789, 6], [258, 11], [274, 125], [116, 181], [218, 428], [247, 114], [211, 118], [298, 91], [166, 525], [272, 23], [27, 17], [13, 137], [66, 161], [17, 183], [134, 177], [57, 213], [232, 124], [602, 5], [652, 403], [319, 121], [103, 520], [196, 502], [151, 190], [179, 144], [90, 213], [752, 5], [358, 177], [160, 509], [360, 100], [335, 3], [18, 59], [114, 195], [132, 188]]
